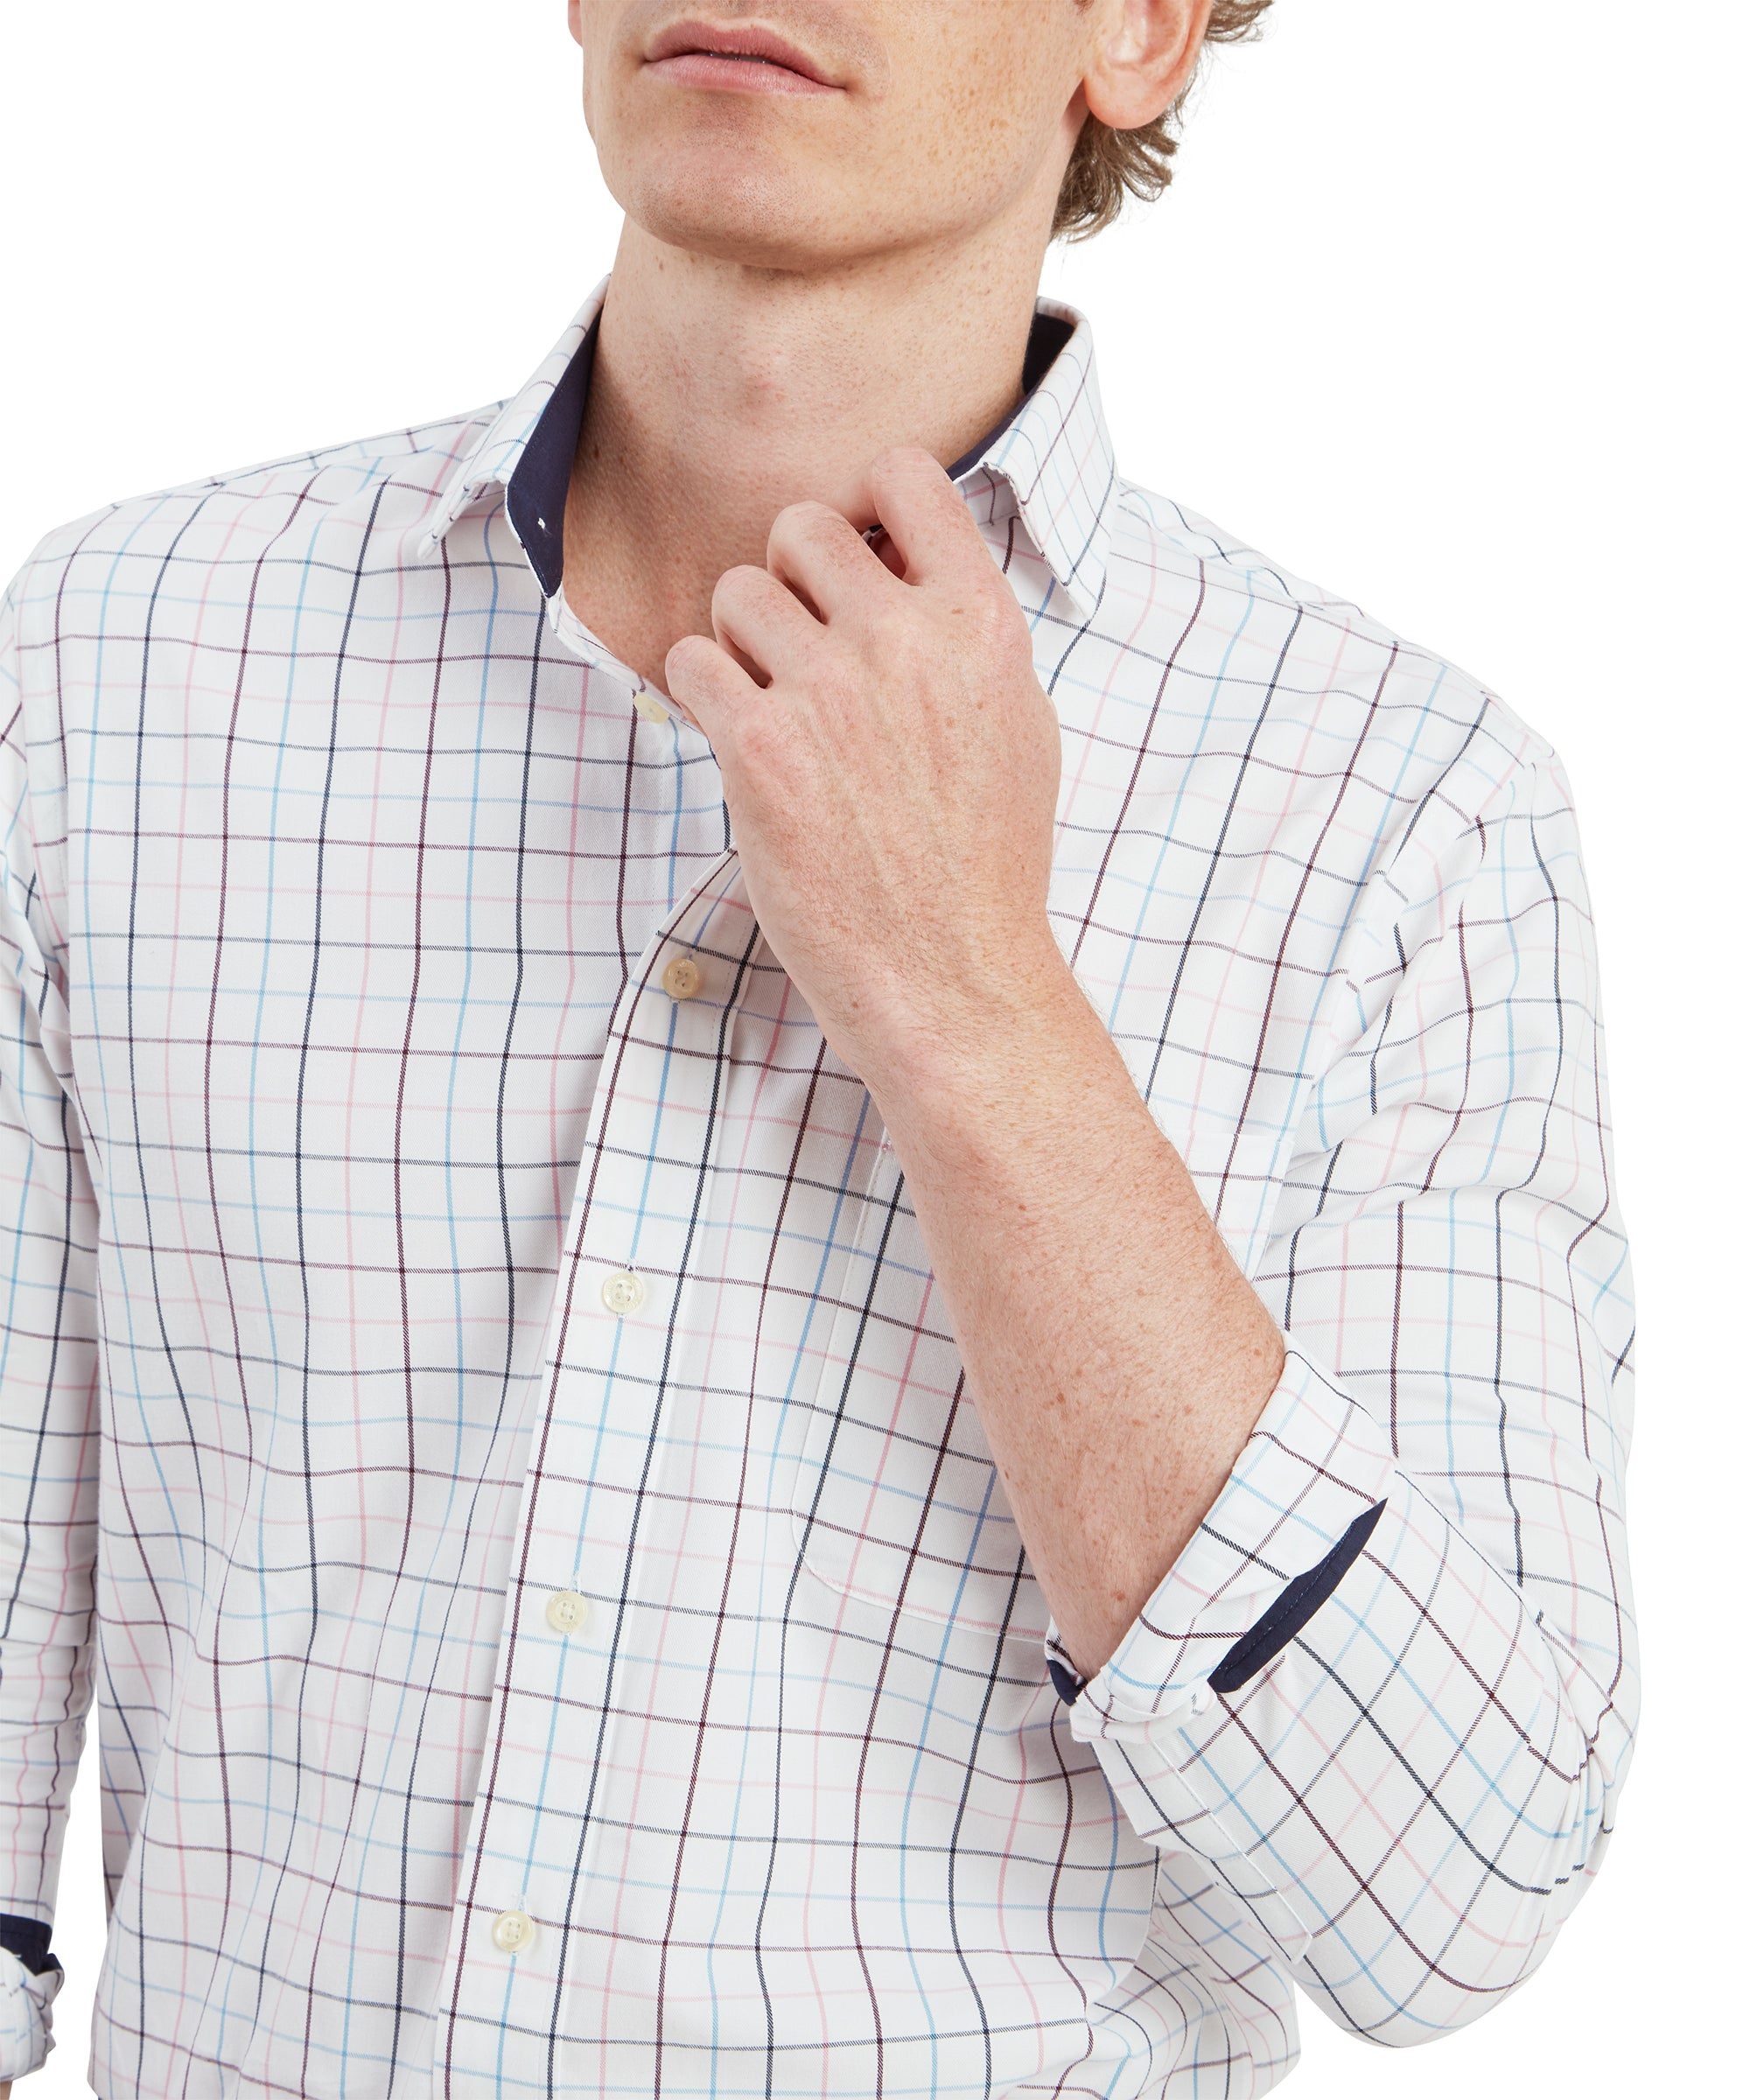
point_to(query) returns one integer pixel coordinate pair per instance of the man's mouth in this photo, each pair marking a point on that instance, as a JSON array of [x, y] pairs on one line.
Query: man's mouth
[[742, 57]]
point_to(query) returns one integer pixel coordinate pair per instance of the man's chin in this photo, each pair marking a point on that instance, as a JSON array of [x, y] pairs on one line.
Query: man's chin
[[760, 224]]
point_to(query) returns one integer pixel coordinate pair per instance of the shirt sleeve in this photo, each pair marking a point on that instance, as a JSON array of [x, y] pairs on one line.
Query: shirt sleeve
[[1388, 1692], [48, 1420]]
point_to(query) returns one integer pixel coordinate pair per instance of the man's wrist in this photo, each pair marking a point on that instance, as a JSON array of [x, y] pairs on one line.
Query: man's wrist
[[1005, 1037]]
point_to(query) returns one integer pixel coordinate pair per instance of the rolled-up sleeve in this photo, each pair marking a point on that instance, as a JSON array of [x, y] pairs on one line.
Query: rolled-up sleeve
[[1387, 1691], [48, 1424]]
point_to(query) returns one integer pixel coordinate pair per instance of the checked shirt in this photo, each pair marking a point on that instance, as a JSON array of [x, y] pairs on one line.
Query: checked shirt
[[478, 1418]]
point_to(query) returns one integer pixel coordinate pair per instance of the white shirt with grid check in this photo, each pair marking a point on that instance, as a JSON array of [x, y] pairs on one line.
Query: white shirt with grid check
[[477, 1413]]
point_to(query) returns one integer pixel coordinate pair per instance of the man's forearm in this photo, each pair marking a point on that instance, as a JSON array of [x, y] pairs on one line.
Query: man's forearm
[[1117, 1356], [892, 773]]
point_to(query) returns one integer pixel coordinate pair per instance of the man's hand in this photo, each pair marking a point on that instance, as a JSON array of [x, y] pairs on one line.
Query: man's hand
[[890, 763], [891, 768]]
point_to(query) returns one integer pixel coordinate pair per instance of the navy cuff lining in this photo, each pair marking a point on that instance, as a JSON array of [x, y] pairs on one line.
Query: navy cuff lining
[[1265, 1641], [1293, 1608], [29, 1939], [1068, 1684]]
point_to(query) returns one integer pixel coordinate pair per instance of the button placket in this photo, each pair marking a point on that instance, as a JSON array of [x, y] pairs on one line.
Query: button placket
[[610, 1361]]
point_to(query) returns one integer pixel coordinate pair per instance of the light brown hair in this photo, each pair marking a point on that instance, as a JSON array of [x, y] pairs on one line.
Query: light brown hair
[[1109, 165]]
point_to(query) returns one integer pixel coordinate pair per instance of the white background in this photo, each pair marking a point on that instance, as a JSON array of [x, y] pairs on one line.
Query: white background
[[1439, 310]]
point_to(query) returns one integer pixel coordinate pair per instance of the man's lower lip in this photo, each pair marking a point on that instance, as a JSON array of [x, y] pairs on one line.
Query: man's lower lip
[[743, 76]]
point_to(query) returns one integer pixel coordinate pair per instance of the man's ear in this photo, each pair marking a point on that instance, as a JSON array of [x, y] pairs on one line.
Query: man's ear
[[1143, 56], [574, 15]]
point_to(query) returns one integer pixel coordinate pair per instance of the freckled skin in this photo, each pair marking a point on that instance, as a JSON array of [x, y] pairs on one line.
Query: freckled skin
[[953, 110]]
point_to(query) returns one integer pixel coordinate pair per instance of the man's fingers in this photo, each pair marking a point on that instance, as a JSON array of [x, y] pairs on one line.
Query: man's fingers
[[762, 622], [819, 556], [706, 683], [906, 492]]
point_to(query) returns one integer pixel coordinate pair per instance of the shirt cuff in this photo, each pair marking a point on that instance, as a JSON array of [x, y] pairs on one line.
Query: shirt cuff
[[1299, 1504], [26, 1996]]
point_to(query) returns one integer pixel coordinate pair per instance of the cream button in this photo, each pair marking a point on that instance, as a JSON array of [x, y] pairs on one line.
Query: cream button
[[623, 1292], [566, 1611], [513, 1930], [681, 978], [1202, 1699], [651, 708]]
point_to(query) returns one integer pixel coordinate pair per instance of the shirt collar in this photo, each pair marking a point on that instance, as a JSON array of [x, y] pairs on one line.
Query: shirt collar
[[1053, 452]]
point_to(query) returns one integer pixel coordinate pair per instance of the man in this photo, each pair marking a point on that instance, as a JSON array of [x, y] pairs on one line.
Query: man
[[813, 1287]]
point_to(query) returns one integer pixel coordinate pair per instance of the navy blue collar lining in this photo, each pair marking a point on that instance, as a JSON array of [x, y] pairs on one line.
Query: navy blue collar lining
[[534, 501]]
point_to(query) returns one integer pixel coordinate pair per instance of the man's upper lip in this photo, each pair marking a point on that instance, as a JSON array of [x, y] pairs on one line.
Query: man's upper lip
[[738, 39]]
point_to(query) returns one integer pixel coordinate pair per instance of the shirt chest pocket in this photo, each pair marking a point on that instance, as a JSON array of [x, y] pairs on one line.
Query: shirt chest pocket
[[897, 1501]]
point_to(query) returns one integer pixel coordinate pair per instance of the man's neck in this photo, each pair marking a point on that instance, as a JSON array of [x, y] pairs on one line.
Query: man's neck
[[719, 394]]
